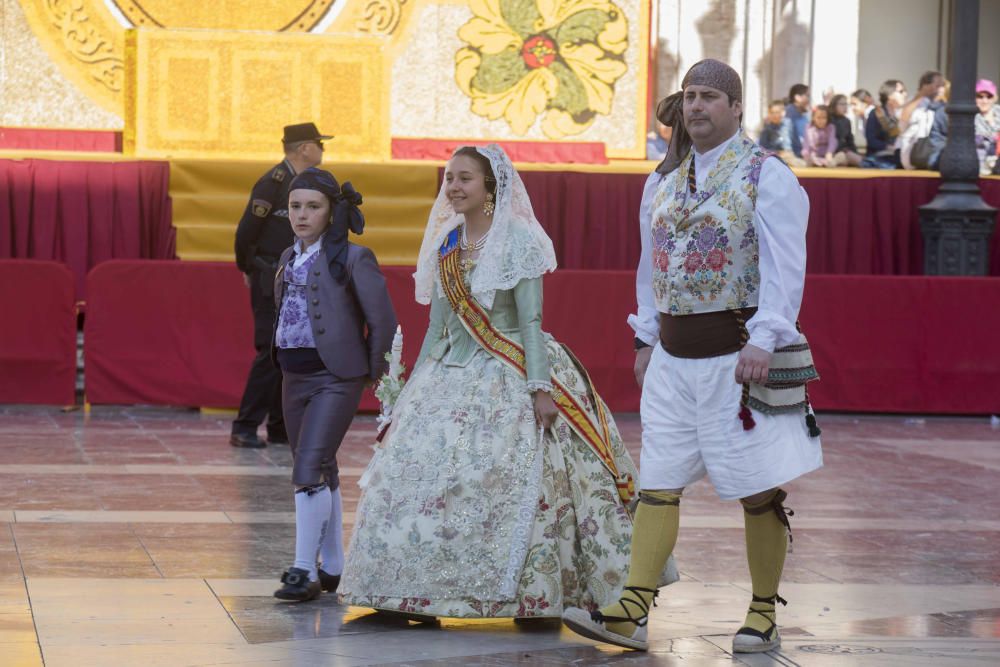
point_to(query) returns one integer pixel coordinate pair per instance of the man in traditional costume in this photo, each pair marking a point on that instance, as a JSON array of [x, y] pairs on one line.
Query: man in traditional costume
[[721, 361]]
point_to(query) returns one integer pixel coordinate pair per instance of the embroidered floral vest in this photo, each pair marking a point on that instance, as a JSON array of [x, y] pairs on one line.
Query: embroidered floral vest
[[705, 254]]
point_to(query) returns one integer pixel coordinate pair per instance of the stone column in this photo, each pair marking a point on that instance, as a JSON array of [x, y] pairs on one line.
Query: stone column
[[957, 225]]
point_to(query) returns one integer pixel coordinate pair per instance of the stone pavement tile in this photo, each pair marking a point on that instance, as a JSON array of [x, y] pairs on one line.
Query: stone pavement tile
[[47, 491], [21, 654], [690, 652], [17, 628], [248, 494], [81, 550], [10, 565], [224, 551], [973, 624], [186, 654], [229, 588], [46, 449], [119, 516], [14, 598], [838, 652], [450, 639], [58, 599], [151, 492], [267, 620]]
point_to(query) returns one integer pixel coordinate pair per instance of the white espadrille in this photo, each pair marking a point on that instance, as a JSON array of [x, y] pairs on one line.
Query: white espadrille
[[581, 622], [744, 642]]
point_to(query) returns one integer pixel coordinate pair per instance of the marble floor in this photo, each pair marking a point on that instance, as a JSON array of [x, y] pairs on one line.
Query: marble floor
[[140, 537]]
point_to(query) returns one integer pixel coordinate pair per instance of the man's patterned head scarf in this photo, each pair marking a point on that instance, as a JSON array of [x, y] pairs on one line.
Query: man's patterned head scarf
[[670, 111]]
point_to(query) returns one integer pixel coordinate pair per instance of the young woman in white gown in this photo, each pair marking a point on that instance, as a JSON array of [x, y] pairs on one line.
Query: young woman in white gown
[[501, 487]]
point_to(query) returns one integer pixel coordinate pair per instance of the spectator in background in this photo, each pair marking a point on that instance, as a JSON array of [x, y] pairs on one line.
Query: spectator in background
[[847, 151], [882, 126], [916, 118], [819, 142], [658, 141], [797, 113], [862, 104], [938, 138], [929, 88], [776, 134], [987, 125]]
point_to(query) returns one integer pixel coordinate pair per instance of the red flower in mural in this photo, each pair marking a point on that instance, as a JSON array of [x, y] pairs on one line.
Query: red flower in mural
[[539, 51]]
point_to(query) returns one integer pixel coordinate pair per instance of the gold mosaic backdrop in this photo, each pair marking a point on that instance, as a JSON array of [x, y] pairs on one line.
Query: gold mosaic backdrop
[[211, 93], [529, 70], [542, 70]]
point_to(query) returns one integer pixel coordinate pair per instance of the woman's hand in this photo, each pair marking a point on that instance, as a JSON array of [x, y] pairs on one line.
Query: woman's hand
[[545, 409]]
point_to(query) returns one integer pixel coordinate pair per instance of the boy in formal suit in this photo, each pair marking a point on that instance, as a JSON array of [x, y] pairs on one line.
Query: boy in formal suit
[[335, 324]]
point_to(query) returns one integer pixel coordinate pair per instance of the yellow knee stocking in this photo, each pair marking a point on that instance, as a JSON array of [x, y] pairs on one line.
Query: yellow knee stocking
[[654, 534], [767, 543]]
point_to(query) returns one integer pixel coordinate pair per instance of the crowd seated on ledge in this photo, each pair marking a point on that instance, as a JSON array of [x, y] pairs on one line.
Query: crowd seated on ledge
[[893, 131]]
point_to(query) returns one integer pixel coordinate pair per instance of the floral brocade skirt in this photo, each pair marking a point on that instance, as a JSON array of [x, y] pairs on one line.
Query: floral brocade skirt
[[466, 511]]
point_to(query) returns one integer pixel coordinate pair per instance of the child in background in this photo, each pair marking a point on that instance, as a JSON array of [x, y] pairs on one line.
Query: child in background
[[776, 135], [820, 141]]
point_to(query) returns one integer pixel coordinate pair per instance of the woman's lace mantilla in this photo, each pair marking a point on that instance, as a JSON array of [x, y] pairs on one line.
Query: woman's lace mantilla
[[517, 247]]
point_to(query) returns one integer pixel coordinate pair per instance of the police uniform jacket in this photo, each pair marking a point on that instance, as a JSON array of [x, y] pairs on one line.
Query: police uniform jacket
[[264, 231]]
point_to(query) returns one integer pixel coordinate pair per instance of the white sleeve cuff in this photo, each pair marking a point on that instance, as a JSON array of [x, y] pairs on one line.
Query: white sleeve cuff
[[539, 385], [645, 330]]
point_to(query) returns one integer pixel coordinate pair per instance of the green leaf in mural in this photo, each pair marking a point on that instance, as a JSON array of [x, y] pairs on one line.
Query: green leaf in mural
[[500, 72], [521, 15], [571, 96], [559, 64], [582, 27]]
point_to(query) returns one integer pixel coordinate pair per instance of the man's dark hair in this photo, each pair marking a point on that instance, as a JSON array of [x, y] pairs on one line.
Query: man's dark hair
[[861, 94], [887, 88], [927, 78], [797, 89]]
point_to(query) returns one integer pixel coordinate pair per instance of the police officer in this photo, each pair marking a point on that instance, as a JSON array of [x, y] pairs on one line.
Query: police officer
[[262, 235]]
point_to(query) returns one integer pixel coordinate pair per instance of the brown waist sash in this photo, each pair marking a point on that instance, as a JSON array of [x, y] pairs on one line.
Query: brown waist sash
[[705, 334]]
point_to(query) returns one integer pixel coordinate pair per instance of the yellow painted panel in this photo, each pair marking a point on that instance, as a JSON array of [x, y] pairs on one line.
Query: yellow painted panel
[[209, 94]]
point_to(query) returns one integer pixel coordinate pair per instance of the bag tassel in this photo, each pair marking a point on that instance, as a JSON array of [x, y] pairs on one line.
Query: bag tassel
[[814, 429], [811, 424]]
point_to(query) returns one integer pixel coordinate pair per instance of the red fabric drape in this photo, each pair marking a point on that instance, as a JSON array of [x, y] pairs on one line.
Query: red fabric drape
[[179, 333], [83, 213], [559, 152], [856, 225], [167, 333], [904, 344], [39, 139], [38, 334]]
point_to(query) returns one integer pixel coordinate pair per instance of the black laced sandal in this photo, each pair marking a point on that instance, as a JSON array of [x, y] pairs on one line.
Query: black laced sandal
[[593, 624], [750, 640]]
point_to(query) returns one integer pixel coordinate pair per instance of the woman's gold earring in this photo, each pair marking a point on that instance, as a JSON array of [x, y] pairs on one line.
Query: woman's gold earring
[[488, 207]]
